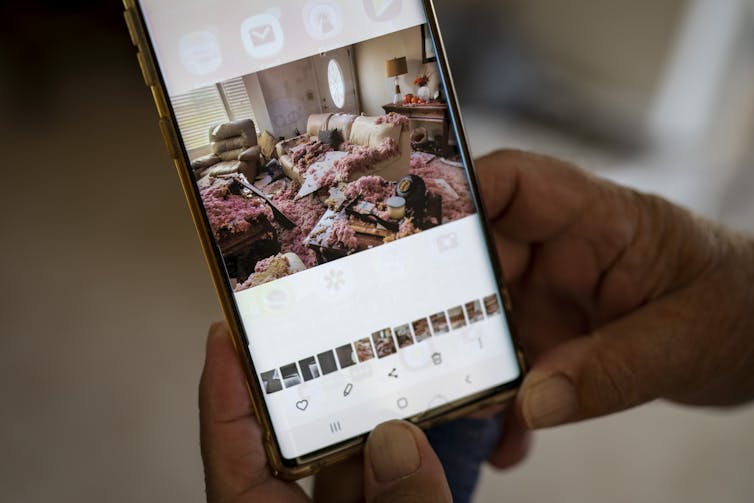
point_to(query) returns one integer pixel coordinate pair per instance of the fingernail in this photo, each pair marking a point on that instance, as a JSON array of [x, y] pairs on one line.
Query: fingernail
[[392, 451], [549, 402]]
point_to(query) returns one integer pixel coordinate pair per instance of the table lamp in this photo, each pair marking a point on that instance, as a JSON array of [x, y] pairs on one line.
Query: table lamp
[[395, 68]]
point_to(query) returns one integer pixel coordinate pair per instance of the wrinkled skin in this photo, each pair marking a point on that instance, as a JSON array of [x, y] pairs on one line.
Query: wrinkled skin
[[620, 296]]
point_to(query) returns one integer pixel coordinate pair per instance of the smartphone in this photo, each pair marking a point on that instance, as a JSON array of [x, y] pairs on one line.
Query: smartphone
[[320, 146]]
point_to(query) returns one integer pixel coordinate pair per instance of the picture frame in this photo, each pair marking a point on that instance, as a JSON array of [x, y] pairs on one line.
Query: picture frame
[[428, 49]]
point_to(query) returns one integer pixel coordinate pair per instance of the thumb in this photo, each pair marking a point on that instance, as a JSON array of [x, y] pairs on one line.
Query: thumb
[[623, 364], [400, 466]]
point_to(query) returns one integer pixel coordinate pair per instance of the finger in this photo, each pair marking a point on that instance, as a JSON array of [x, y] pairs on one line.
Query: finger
[[400, 466], [235, 464], [529, 197], [515, 442], [638, 358], [515, 257], [341, 483]]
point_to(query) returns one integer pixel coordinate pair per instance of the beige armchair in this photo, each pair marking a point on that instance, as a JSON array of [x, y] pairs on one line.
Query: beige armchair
[[358, 130], [234, 150]]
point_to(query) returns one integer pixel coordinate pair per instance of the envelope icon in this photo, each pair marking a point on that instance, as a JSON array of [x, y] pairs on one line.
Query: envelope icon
[[262, 36]]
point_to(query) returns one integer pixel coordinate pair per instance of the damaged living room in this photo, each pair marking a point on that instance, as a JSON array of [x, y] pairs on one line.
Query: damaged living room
[[317, 159]]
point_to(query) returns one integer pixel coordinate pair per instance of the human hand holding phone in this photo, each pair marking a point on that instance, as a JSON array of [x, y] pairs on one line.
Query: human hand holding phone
[[398, 463], [620, 297]]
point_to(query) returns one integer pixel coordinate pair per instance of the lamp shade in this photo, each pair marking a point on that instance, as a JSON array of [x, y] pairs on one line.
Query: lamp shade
[[396, 67]]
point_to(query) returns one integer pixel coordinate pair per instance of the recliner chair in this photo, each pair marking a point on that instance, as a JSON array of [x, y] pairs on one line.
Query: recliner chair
[[234, 150]]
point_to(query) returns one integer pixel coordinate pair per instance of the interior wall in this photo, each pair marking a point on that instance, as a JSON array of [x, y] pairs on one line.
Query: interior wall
[[287, 95], [375, 89]]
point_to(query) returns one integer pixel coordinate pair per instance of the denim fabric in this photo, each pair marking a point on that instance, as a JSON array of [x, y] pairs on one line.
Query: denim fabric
[[462, 447]]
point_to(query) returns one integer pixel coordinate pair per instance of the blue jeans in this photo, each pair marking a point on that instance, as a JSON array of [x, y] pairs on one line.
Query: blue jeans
[[462, 446]]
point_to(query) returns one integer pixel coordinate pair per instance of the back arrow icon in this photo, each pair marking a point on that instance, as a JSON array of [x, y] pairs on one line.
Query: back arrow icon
[[468, 378]]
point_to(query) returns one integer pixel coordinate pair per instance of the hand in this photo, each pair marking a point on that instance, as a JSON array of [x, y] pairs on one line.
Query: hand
[[619, 297], [398, 462]]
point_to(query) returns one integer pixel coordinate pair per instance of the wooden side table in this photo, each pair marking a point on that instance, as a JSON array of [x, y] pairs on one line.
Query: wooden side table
[[437, 113]]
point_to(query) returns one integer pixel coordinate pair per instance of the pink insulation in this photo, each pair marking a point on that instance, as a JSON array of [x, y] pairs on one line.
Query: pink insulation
[[305, 213], [455, 177], [267, 270], [307, 154], [407, 229], [231, 214], [342, 234], [362, 159], [394, 119], [374, 189]]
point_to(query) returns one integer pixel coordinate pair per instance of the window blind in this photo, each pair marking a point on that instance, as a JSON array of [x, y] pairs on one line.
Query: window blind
[[198, 110], [237, 100]]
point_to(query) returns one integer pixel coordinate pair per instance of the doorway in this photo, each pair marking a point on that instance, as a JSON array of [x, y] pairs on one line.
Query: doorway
[[336, 81]]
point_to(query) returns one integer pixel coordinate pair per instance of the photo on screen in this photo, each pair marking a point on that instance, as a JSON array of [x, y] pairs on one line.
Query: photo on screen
[[346, 356], [439, 323], [327, 362], [474, 311], [491, 305], [272, 382], [317, 159], [403, 336], [309, 369], [421, 330], [364, 349], [457, 318], [290, 375], [384, 343]]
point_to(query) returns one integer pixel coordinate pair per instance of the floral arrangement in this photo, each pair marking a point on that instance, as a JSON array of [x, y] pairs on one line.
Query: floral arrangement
[[422, 80]]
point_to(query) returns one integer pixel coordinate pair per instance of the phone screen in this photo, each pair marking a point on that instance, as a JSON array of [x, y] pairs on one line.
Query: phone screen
[[338, 193]]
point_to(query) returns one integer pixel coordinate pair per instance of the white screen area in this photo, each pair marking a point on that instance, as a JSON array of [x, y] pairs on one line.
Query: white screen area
[[344, 215]]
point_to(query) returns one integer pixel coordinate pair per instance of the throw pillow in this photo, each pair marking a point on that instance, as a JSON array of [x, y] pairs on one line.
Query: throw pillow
[[331, 137]]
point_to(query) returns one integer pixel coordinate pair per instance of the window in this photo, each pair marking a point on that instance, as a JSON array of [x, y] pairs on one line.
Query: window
[[237, 100], [198, 110], [337, 85]]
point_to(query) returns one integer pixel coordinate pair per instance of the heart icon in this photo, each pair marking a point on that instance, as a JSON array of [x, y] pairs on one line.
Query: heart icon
[[302, 404]]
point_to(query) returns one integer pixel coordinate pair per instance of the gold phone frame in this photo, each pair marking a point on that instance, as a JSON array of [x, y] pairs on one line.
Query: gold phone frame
[[311, 464]]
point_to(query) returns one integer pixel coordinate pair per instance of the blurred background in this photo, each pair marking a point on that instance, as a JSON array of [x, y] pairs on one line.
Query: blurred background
[[106, 297]]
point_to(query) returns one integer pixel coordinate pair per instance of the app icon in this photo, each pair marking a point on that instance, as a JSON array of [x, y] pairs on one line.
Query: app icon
[[323, 19], [276, 301], [335, 427], [200, 52], [448, 242], [437, 358], [382, 10], [262, 36], [335, 280]]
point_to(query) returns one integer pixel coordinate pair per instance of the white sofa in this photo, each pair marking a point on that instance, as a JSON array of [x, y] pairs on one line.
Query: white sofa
[[358, 130]]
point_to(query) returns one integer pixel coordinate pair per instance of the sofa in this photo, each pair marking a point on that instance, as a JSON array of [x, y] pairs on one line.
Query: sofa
[[357, 130], [234, 150]]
